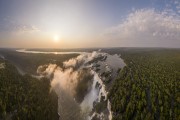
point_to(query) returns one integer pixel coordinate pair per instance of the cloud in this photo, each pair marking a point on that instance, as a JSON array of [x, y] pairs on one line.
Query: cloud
[[9, 25], [177, 6], [27, 29], [176, 2], [46, 70], [147, 27]]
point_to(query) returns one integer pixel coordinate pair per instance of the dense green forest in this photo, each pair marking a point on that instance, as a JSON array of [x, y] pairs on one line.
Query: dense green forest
[[148, 87], [24, 97]]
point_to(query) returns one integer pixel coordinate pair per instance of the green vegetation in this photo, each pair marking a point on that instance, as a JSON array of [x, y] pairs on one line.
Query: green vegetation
[[29, 62], [24, 97], [148, 87]]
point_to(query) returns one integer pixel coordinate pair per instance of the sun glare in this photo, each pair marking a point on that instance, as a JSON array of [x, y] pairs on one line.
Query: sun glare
[[56, 38]]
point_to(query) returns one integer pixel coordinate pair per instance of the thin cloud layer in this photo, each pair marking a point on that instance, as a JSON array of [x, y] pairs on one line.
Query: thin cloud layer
[[177, 5], [146, 28], [12, 26]]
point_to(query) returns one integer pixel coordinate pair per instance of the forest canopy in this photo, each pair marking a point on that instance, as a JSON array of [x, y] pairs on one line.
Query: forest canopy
[[25, 97]]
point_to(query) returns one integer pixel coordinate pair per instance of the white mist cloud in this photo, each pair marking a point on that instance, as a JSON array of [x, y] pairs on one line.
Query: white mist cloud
[[147, 27], [46, 70], [67, 78], [80, 60]]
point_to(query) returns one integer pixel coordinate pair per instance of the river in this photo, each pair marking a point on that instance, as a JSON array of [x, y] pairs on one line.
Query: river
[[100, 64]]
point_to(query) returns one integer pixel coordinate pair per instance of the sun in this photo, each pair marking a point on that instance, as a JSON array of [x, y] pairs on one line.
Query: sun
[[56, 38]]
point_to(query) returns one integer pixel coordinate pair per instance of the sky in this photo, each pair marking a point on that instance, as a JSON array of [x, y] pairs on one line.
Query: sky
[[89, 23]]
